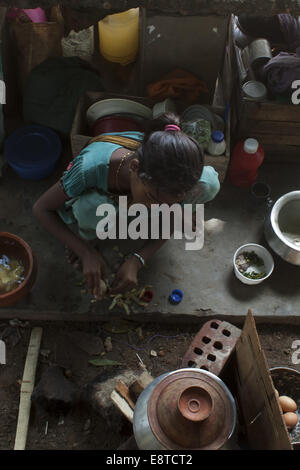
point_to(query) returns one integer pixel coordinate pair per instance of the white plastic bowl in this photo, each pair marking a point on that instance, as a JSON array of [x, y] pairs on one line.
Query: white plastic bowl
[[263, 254]]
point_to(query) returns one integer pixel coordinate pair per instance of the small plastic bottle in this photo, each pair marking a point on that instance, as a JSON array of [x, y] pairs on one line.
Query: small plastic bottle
[[246, 159], [217, 144]]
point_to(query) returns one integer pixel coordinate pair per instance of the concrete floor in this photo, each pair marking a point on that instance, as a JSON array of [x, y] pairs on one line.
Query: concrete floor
[[206, 277]]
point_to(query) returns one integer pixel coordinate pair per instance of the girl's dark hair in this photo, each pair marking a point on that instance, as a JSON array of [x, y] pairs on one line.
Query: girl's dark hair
[[170, 160]]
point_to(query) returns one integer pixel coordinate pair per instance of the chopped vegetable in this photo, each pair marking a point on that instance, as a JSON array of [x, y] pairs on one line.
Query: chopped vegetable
[[248, 264]]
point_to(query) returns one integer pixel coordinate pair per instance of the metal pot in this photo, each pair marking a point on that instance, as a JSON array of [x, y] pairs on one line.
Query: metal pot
[[260, 52], [282, 228], [185, 409]]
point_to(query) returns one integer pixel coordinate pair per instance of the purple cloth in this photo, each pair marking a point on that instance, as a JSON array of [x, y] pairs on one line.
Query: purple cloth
[[290, 28], [281, 71]]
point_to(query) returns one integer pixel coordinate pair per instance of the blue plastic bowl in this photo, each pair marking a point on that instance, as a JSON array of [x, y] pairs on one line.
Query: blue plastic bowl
[[33, 152]]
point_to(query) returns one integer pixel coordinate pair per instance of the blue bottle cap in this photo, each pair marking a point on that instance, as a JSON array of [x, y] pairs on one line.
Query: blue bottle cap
[[217, 136], [176, 296]]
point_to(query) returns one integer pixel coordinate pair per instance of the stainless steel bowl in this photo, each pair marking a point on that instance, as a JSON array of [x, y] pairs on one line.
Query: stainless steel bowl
[[282, 228]]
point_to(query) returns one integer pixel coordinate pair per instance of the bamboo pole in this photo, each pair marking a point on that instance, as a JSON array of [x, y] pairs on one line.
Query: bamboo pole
[[27, 388]]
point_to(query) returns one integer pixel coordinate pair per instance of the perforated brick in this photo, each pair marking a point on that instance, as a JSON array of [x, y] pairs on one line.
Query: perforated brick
[[212, 346]]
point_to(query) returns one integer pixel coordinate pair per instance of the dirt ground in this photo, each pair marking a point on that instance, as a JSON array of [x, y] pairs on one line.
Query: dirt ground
[[81, 428]]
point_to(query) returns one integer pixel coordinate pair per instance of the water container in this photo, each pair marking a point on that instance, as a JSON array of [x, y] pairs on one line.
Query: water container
[[246, 159], [119, 36]]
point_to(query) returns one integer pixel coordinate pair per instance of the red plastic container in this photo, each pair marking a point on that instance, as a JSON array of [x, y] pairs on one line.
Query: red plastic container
[[115, 124], [246, 159]]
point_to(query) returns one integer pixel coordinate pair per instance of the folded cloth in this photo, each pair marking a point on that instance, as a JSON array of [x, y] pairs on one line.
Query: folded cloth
[[177, 84], [290, 27], [281, 71]]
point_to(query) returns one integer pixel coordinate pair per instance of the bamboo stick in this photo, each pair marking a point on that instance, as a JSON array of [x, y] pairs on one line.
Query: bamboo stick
[[27, 388]]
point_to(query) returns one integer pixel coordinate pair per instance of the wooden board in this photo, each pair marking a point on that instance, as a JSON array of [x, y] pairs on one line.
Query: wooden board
[[191, 43], [261, 412], [271, 111]]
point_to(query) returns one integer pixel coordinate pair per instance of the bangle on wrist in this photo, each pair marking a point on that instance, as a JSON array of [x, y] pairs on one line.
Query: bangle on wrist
[[139, 257]]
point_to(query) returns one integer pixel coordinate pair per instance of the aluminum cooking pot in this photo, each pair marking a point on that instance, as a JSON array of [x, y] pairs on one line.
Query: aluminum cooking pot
[[185, 409], [282, 227]]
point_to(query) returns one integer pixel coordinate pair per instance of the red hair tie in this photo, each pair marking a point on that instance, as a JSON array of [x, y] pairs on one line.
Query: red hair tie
[[172, 127]]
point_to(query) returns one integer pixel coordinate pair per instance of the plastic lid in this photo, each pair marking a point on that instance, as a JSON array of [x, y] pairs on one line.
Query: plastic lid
[[217, 136], [176, 296], [255, 90], [251, 146]]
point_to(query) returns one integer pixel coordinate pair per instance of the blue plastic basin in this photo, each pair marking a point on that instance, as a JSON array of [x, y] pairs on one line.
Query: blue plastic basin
[[33, 152]]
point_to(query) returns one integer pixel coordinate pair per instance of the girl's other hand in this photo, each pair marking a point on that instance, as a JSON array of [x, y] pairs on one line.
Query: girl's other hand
[[94, 269], [126, 276]]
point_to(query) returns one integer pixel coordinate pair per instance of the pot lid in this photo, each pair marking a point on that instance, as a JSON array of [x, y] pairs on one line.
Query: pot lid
[[191, 409]]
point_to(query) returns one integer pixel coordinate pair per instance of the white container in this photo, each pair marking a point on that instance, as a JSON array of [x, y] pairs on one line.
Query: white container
[[217, 144], [263, 254]]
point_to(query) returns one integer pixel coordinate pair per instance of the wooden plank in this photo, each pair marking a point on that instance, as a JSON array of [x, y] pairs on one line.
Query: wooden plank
[[122, 405], [27, 388], [275, 128], [256, 394], [123, 390], [137, 387], [270, 111]]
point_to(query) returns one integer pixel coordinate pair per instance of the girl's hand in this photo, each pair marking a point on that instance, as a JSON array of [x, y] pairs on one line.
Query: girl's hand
[[94, 269], [126, 277]]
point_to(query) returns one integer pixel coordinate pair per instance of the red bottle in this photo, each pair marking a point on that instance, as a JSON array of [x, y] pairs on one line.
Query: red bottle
[[246, 159]]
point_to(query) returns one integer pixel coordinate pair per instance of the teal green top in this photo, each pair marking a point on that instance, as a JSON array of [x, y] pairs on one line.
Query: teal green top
[[86, 184]]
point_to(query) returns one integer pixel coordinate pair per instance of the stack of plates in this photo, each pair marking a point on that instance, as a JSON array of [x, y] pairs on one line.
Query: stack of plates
[[117, 106], [197, 111]]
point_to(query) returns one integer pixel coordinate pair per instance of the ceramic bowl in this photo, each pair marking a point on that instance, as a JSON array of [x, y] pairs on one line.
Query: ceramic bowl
[[263, 254]]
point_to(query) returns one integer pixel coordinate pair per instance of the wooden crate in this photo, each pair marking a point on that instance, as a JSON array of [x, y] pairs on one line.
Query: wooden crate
[[80, 133], [275, 125]]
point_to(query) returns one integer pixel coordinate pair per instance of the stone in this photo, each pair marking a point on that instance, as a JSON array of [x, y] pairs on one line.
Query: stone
[[107, 344], [54, 392]]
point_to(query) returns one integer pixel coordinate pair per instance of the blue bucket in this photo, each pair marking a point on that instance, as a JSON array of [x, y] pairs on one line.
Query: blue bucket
[[33, 152]]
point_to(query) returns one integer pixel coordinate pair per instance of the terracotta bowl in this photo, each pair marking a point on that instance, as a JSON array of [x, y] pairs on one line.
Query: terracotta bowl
[[115, 124], [13, 246]]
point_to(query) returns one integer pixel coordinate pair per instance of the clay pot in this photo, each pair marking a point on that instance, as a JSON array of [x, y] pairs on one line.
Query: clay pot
[[13, 246]]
